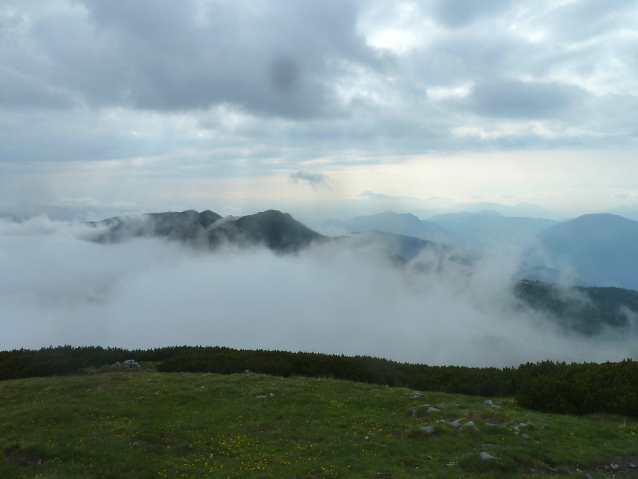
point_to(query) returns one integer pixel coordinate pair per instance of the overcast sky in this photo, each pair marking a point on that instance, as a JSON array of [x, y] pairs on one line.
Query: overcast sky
[[150, 105]]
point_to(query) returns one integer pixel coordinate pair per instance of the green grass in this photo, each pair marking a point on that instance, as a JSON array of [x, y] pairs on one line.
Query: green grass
[[150, 425]]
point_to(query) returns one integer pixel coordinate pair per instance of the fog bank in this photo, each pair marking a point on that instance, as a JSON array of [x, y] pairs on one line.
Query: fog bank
[[57, 288]]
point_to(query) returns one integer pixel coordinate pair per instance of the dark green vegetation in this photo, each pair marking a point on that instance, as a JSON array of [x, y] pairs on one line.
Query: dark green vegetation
[[547, 386], [145, 424], [584, 310]]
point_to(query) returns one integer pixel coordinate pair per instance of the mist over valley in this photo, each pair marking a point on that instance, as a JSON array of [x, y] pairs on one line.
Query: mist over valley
[[266, 281]]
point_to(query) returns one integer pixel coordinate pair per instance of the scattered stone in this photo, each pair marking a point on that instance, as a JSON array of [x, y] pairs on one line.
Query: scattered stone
[[525, 436], [456, 423], [516, 429], [607, 467], [589, 476], [128, 364], [614, 467], [415, 395], [469, 424], [366, 438], [414, 411], [427, 429], [490, 404], [632, 465], [433, 409], [429, 458], [486, 456], [462, 406], [442, 405]]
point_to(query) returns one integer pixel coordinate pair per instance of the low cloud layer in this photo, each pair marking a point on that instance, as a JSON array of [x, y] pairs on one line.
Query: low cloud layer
[[57, 288]]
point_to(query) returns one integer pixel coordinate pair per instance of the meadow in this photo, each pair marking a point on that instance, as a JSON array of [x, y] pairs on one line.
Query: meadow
[[147, 424]]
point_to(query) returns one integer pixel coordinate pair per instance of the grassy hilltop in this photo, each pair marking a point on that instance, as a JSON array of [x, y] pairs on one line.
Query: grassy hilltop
[[145, 424]]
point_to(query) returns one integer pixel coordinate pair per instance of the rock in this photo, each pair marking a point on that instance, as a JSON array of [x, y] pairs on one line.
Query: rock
[[486, 456], [589, 476], [414, 410], [469, 424], [525, 436], [462, 406], [433, 409], [456, 423], [632, 465], [429, 458], [490, 404], [614, 467], [427, 429], [128, 364], [415, 395], [442, 405]]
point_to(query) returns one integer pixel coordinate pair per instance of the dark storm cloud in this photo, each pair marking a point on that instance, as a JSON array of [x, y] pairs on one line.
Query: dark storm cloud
[[92, 79], [275, 58]]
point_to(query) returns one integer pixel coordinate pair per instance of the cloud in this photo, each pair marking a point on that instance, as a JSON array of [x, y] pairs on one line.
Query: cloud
[[344, 297], [463, 12], [314, 180], [270, 59], [517, 99]]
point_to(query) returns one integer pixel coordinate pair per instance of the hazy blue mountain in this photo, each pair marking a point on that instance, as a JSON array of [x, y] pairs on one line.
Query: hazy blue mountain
[[520, 210], [628, 211], [602, 249], [492, 228], [404, 224], [406, 247]]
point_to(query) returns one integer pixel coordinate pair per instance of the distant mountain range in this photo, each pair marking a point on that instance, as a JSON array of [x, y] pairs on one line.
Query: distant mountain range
[[591, 250], [277, 231], [404, 224], [598, 249], [492, 228]]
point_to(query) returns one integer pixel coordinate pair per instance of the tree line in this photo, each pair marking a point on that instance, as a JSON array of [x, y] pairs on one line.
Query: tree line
[[577, 388]]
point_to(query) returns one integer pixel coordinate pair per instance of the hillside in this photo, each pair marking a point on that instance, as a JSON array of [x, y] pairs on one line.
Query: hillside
[[143, 424], [404, 224], [492, 228], [277, 231], [584, 310], [600, 250]]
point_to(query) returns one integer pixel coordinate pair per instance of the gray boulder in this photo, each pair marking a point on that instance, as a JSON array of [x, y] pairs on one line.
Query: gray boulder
[[486, 456], [427, 429]]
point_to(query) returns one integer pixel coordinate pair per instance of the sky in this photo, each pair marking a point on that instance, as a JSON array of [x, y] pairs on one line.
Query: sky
[[119, 107]]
